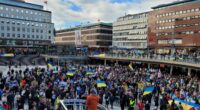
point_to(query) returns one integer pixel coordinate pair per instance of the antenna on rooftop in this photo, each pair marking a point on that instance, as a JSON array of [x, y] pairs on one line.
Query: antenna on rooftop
[[46, 4]]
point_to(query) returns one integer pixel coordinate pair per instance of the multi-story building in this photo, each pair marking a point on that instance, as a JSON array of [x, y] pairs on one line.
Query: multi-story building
[[92, 35], [130, 31], [174, 26], [24, 24]]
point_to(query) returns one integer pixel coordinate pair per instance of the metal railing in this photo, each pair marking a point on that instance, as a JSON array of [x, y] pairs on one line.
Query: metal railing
[[76, 104], [177, 58]]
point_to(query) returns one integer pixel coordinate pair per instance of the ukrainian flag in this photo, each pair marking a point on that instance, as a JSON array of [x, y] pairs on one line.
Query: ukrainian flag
[[148, 90], [101, 55], [73, 68], [172, 58], [70, 73], [186, 105], [89, 72], [50, 65], [7, 55], [130, 66], [199, 99], [101, 84]]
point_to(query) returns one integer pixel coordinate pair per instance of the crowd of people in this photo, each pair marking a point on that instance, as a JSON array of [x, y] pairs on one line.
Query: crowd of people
[[192, 57], [41, 89]]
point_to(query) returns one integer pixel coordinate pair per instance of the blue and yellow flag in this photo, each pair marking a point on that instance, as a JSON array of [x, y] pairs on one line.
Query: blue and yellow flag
[[7, 55], [101, 83], [50, 65], [130, 66], [70, 73], [186, 105], [89, 72], [100, 55], [148, 90]]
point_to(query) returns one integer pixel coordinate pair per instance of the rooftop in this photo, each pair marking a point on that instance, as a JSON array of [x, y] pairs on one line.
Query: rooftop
[[86, 26], [21, 3], [132, 16], [175, 3]]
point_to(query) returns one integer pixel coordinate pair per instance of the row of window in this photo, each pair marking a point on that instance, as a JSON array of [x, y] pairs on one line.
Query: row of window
[[179, 19], [178, 12], [128, 17], [178, 33], [24, 23], [177, 26], [126, 39], [8, 35], [125, 23], [23, 11], [129, 27], [127, 33], [87, 32], [170, 41], [26, 17], [132, 44], [18, 29]]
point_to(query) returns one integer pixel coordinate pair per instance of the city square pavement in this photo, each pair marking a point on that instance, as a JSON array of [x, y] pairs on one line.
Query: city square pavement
[[5, 69]]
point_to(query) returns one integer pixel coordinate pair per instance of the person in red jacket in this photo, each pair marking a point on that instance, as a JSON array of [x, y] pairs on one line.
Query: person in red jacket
[[192, 108], [92, 101], [5, 105], [140, 105]]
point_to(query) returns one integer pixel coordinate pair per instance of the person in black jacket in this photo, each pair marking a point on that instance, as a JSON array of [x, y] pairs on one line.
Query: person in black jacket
[[147, 106], [156, 98], [122, 100]]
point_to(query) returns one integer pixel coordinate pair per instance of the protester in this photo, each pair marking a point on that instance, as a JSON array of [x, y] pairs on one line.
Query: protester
[[92, 101], [42, 88]]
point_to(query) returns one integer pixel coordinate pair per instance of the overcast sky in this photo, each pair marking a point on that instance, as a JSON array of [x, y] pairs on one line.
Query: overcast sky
[[69, 13]]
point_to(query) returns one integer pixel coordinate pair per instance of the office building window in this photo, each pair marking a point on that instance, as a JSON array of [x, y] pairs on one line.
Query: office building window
[[8, 28], [13, 28], [188, 11], [33, 36], [28, 36], [2, 28], [2, 34], [18, 35], [13, 35], [23, 29], [8, 34], [18, 29], [24, 36]]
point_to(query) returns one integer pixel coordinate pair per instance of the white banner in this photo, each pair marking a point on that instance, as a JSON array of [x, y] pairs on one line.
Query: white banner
[[78, 37]]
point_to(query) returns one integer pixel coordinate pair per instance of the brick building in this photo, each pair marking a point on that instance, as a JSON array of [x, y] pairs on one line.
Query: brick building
[[92, 35], [174, 26]]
